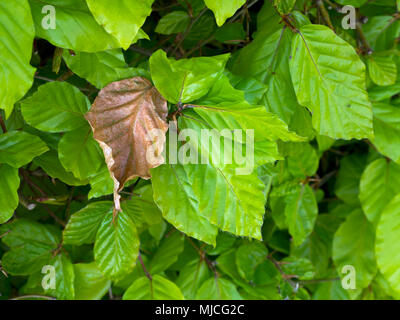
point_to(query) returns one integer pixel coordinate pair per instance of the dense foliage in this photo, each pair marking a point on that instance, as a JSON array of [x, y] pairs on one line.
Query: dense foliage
[[319, 217]]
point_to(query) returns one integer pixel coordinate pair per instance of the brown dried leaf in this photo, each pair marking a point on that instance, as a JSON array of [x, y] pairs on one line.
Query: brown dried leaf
[[122, 118]]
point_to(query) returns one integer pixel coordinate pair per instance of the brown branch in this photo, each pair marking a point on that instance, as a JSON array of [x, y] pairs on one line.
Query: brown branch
[[140, 50], [198, 46], [325, 14], [188, 29], [33, 186], [203, 257], [146, 272], [65, 76], [283, 274], [4, 234], [3, 125], [367, 48], [312, 281], [242, 11]]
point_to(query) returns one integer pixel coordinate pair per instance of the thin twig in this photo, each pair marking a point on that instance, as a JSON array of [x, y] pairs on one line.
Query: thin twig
[[147, 273], [3, 125], [367, 48], [325, 14], [110, 293], [65, 76], [203, 257], [284, 275], [140, 50], [242, 11], [198, 46], [68, 207], [318, 280], [34, 186], [188, 29], [52, 80], [4, 234]]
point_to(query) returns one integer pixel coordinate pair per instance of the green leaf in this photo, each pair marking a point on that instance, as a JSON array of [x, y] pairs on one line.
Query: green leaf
[[248, 257], [231, 182], [225, 241], [117, 246], [378, 186], [353, 244], [65, 278], [223, 9], [174, 22], [79, 153], [5, 288], [101, 183], [26, 259], [387, 239], [185, 80], [267, 40], [157, 288], [218, 289], [178, 197], [284, 6], [226, 262], [382, 93], [381, 32], [331, 290], [258, 59], [90, 284], [266, 59], [225, 107], [56, 107], [31, 246], [24, 231], [354, 3], [17, 32], [252, 88], [302, 268], [142, 208], [301, 212], [301, 123], [324, 143], [382, 70], [192, 276], [329, 79], [244, 206], [348, 180], [122, 21], [302, 161], [83, 225], [318, 245], [75, 28], [99, 68], [18, 148], [9, 183], [387, 130], [230, 33], [50, 163], [167, 253]]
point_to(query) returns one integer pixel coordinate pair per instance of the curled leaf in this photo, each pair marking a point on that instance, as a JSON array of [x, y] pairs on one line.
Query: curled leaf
[[124, 118]]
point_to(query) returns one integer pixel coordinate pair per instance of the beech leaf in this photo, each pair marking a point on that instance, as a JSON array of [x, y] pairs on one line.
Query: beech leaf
[[122, 118]]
